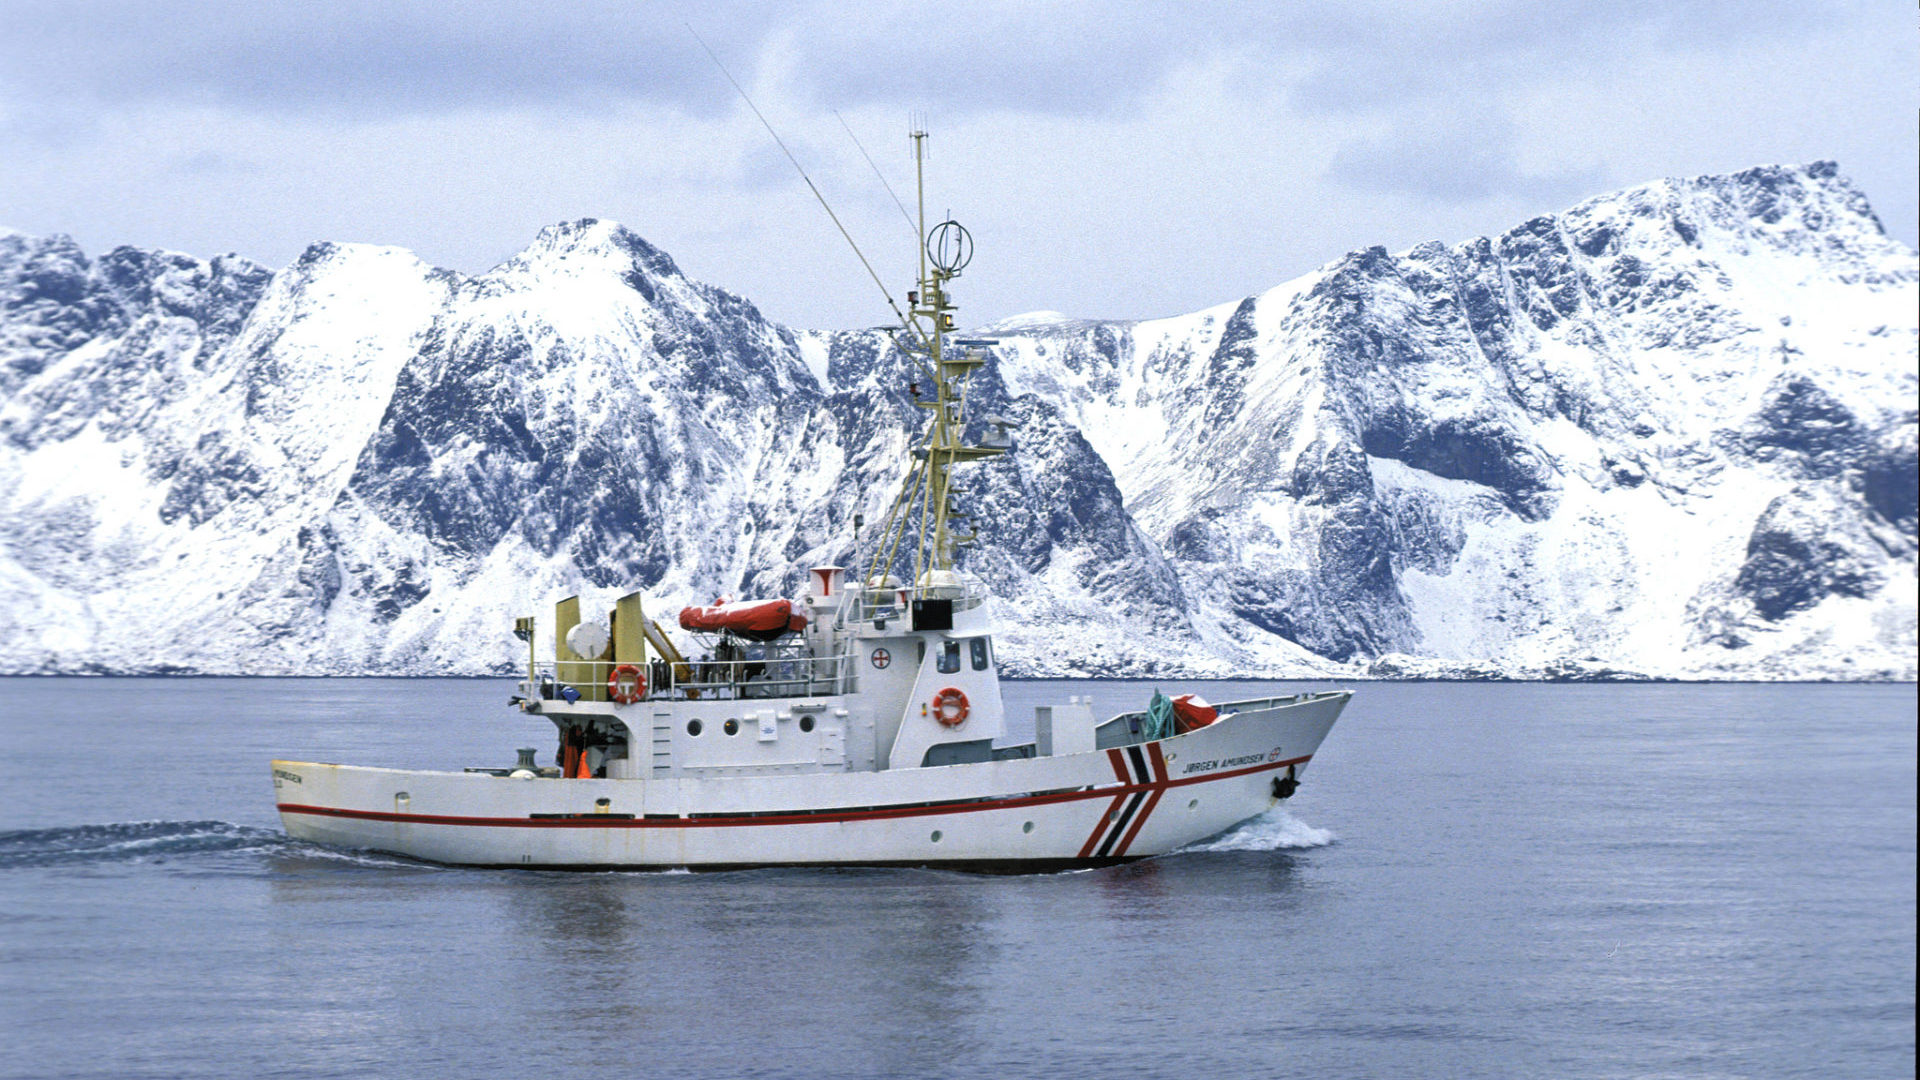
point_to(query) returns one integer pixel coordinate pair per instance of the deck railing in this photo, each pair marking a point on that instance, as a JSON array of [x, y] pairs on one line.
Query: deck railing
[[870, 603], [776, 676]]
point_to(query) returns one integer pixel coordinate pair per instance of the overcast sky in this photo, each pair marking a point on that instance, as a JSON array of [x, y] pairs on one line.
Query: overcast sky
[[1113, 160]]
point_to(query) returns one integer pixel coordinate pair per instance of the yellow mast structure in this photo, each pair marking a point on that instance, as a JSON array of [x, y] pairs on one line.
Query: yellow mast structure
[[944, 252]]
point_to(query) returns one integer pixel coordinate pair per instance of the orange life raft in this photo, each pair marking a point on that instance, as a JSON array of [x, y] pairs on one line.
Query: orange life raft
[[755, 620]]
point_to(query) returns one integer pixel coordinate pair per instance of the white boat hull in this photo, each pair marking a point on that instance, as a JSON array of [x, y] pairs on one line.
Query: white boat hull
[[1086, 809]]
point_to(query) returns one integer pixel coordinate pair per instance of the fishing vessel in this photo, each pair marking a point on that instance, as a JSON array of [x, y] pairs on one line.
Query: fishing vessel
[[859, 724]]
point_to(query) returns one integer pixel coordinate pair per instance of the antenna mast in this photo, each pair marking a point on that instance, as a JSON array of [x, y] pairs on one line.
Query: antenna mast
[[777, 141], [944, 253]]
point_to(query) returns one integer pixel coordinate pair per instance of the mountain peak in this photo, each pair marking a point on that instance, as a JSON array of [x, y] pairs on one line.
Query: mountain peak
[[573, 247], [1772, 204]]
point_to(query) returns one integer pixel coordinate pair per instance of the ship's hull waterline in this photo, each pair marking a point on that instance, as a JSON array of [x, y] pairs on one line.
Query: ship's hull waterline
[[1088, 809]]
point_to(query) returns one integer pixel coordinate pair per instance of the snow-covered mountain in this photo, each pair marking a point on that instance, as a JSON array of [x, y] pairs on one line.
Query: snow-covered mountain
[[1670, 431]]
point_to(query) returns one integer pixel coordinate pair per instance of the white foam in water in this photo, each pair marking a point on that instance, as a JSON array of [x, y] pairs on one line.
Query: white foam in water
[[1275, 830], [124, 840], [350, 856], [142, 841]]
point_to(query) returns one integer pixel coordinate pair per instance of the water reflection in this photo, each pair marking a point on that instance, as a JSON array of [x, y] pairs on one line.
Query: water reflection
[[589, 932], [930, 966], [896, 964], [1175, 886]]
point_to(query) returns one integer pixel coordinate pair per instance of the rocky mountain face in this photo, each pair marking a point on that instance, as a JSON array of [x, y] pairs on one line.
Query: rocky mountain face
[[1670, 431]]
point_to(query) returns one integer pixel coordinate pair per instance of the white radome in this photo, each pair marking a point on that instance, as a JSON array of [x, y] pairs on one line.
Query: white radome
[[588, 639]]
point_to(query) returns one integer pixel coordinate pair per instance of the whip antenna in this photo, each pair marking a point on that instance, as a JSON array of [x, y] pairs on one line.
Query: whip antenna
[[803, 173], [877, 173]]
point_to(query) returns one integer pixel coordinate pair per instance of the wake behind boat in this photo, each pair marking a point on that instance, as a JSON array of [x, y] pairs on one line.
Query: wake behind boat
[[859, 724]]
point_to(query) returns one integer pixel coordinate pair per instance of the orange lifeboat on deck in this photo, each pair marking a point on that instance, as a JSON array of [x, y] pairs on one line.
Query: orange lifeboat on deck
[[755, 620]]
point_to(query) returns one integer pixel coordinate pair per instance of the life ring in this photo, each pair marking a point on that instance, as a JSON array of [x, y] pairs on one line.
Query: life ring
[[627, 684], [950, 707]]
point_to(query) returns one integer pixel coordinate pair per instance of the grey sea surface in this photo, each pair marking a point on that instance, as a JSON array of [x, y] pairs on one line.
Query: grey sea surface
[[1475, 880]]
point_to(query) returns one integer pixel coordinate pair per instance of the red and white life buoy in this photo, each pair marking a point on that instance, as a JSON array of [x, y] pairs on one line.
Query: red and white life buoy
[[950, 707], [626, 684]]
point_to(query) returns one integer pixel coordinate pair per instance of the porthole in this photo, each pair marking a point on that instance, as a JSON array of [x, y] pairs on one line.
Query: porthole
[[1193, 804], [693, 727], [806, 723], [1028, 827], [936, 836], [733, 727]]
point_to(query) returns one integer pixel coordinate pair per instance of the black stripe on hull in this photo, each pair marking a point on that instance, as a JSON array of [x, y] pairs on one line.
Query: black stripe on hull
[[1118, 827]]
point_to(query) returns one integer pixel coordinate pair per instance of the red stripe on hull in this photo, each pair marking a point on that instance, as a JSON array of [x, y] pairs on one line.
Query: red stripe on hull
[[1117, 793]]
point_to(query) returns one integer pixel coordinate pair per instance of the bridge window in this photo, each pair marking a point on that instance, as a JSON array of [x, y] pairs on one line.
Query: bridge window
[[979, 654], [949, 661]]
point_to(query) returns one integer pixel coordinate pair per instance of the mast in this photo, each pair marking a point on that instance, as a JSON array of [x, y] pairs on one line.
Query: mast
[[929, 504]]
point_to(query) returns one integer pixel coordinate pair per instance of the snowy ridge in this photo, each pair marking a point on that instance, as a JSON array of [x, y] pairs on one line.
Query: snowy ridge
[[1669, 432]]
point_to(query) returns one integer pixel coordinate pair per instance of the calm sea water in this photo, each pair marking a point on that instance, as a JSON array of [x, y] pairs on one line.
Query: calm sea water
[[1475, 880]]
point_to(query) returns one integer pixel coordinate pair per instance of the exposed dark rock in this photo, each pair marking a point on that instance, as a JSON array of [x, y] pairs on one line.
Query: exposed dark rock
[[1800, 554], [1802, 420], [1889, 478]]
